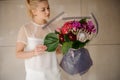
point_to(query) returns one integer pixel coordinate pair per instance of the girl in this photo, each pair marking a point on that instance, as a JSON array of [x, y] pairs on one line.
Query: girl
[[39, 64]]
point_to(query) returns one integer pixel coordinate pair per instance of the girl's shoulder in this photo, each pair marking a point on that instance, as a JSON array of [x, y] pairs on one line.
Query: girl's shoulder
[[27, 26]]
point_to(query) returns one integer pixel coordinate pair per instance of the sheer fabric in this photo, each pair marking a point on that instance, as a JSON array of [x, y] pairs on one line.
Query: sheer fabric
[[33, 30], [44, 65]]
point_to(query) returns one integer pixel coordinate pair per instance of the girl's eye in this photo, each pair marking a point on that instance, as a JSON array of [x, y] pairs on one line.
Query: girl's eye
[[48, 8], [43, 10]]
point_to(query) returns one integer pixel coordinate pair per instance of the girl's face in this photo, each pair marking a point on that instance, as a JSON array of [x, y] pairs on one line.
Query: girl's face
[[42, 12]]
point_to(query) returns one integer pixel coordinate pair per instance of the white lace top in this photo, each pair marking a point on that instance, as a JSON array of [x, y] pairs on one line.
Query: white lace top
[[32, 34]]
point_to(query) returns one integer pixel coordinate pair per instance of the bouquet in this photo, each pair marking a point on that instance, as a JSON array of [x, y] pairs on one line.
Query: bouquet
[[73, 36]]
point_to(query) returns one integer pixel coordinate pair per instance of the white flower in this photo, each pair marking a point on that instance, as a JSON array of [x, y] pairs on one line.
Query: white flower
[[82, 36]]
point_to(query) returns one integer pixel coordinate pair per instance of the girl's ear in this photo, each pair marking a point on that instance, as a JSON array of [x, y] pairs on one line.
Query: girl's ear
[[34, 12]]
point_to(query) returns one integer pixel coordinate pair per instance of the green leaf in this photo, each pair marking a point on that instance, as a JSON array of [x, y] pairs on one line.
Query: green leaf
[[77, 44], [66, 38], [66, 46], [51, 41], [83, 20], [52, 47]]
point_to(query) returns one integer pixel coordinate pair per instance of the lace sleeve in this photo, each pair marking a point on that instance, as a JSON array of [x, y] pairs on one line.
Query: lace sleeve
[[22, 36]]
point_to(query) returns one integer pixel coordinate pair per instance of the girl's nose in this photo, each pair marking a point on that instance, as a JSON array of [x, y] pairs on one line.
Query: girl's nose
[[47, 11]]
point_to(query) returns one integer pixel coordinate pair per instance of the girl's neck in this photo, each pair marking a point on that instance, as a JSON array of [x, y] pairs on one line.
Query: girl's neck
[[39, 22]]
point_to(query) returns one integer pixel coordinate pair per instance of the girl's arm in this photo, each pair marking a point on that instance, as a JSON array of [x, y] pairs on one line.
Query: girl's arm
[[20, 53]]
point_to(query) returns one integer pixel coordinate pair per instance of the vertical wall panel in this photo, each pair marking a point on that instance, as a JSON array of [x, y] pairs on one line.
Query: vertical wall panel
[[12, 16], [10, 67], [107, 13], [104, 49]]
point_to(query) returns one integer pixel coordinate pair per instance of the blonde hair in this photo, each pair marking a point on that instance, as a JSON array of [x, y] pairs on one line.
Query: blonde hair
[[31, 5]]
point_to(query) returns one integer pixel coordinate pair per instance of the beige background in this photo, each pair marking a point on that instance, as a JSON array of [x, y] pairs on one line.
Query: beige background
[[104, 49]]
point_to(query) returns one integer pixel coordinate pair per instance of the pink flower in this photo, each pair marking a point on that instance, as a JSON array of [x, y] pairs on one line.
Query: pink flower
[[64, 30], [66, 27], [58, 30]]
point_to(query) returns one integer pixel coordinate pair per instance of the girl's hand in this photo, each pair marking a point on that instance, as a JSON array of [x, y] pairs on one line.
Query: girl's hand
[[39, 49], [58, 50]]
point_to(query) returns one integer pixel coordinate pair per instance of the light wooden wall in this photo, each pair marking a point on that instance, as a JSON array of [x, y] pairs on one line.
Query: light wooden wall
[[104, 49]]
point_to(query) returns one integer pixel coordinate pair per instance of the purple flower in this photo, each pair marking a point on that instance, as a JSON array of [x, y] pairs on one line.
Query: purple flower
[[94, 30], [84, 26], [76, 25], [90, 27]]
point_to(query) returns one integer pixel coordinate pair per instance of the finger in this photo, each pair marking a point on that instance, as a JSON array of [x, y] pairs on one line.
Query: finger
[[45, 48], [39, 46], [38, 49]]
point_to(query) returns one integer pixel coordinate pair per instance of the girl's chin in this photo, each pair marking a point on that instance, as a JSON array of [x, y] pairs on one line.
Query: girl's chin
[[46, 18]]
